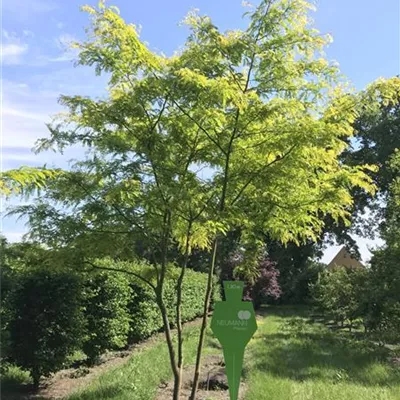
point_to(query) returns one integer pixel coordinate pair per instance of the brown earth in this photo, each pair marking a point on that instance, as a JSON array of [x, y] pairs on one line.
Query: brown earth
[[212, 377]]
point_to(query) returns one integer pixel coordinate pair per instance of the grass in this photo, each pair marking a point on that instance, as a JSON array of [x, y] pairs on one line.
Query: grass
[[289, 357], [14, 377], [139, 378]]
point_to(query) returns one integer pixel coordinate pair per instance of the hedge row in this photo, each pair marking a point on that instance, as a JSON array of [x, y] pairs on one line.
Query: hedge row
[[146, 317], [50, 313]]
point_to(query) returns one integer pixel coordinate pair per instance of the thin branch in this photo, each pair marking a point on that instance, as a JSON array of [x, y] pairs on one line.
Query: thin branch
[[204, 207], [259, 172], [121, 270], [105, 231], [199, 126]]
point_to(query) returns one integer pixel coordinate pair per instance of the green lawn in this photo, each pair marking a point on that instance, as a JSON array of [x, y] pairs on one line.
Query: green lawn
[[289, 357], [138, 379], [292, 358]]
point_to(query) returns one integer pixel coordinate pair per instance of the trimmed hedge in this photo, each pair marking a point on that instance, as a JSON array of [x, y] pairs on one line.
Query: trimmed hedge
[[45, 320], [6, 313], [53, 312], [105, 301], [146, 317]]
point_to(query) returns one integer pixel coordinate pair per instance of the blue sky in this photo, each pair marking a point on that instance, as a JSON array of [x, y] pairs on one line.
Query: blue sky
[[37, 68]]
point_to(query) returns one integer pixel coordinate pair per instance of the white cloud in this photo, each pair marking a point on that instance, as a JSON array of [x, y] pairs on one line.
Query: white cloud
[[63, 42], [13, 49], [11, 54], [19, 154], [25, 114], [22, 129], [27, 33], [60, 25], [7, 35], [23, 8], [23, 118]]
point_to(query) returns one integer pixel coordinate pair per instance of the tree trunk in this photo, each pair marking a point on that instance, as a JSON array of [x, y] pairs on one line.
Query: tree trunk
[[171, 350], [179, 306], [204, 322], [36, 378], [163, 309]]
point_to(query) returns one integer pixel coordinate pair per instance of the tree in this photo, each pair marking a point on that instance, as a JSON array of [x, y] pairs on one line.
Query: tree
[[296, 269], [136, 185], [381, 302], [338, 293], [376, 138], [261, 108], [278, 117]]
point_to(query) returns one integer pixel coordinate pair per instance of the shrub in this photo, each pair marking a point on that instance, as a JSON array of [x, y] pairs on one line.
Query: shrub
[[338, 293], [46, 321], [106, 298], [6, 283], [260, 275], [296, 287], [266, 284], [144, 312], [381, 299]]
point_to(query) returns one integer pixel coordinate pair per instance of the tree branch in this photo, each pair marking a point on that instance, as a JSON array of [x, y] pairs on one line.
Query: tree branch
[[120, 270], [259, 172]]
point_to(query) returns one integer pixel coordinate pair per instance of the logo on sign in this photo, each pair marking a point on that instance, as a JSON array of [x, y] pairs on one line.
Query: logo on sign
[[244, 315]]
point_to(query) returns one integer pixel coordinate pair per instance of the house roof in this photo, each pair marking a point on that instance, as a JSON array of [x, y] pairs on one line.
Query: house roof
[[345, 259]]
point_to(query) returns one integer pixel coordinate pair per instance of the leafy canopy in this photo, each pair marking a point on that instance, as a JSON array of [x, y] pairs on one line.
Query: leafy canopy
[[261, 110]]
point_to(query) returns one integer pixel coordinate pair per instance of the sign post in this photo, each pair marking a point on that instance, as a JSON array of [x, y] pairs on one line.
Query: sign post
[[233, 323]]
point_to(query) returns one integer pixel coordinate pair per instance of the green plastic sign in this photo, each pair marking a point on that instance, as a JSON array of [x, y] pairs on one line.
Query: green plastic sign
[[233, 323]]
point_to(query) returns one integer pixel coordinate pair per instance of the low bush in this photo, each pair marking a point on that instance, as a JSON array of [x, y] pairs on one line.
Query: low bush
[[6, 287], [258, 272], [339, 293], [105, 302], [5, 317], [45, 320], [51, 313], [381, 299]]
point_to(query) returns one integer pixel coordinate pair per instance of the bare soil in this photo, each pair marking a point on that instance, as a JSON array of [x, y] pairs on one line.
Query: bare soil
[[211, 366]]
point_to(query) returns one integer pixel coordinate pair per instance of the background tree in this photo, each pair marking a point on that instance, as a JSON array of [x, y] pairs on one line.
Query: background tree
[[375, 140], [338, 293], [381, 301]]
